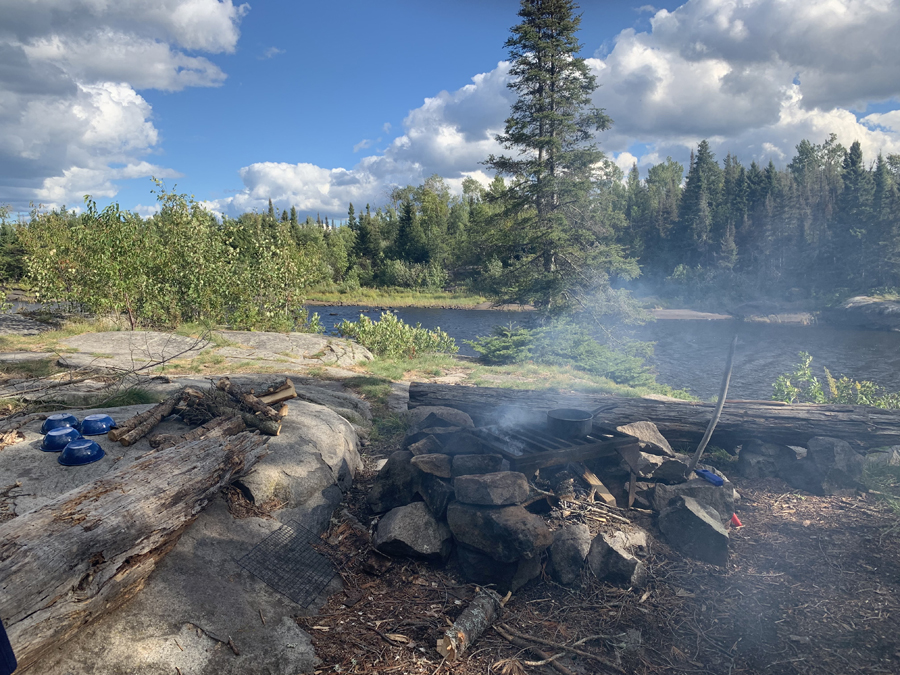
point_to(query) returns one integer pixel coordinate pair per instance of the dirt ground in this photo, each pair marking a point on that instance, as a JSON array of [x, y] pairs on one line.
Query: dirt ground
[[811, 587]]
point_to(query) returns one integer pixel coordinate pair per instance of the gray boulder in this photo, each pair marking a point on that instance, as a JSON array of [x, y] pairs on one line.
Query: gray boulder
[[757, 459], [435, 464], [492, 489], [647, 432], [654, 467], [413, 531], [425, 446], [567, 553], [505, 534], [467, 465], [841, 464], [718, 497], [695, 530], [611, 560], [395, 484]]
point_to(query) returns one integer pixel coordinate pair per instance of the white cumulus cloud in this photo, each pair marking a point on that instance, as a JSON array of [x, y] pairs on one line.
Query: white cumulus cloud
[[71, 119]]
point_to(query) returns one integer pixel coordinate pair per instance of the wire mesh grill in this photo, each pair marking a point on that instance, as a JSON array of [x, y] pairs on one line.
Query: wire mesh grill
[[288, 562]]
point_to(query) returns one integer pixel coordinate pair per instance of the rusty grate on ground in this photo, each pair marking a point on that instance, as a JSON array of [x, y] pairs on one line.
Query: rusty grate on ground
[[291, 561]]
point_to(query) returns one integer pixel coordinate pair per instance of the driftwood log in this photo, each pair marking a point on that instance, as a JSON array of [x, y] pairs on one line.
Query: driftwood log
[[90, 550], [135, 428], [678, 421]]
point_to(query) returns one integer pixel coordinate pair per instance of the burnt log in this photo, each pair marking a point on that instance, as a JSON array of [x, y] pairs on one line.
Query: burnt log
[[679, 421], [89, 551]]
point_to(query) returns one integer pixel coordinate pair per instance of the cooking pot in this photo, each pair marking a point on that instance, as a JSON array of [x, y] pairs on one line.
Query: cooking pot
[[569, 422]]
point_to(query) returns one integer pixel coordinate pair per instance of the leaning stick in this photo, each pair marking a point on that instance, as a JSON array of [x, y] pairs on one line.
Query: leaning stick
[[161, 410], [726, 378]]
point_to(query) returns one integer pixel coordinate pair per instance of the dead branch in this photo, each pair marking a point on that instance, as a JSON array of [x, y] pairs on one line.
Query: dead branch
[[559, 645], [546, 659]]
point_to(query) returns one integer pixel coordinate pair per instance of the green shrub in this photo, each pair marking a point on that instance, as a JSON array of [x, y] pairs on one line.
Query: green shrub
[[393, 338], [565, 343], [801, 386]]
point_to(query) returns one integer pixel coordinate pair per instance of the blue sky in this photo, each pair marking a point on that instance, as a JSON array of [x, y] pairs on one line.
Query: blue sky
[[318, 104]]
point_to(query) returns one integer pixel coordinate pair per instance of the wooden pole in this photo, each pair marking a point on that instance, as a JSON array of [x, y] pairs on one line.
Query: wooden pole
[[723, 391]]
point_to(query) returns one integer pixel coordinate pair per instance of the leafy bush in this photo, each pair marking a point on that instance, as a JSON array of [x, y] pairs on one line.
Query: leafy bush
[[802, 386], [400, 274], [564, 343], [392, 337], [179, 266]]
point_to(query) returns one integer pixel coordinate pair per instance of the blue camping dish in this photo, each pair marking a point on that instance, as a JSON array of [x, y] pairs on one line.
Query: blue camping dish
[[57, 439], [81, 451], [95, 425], [59, 420]]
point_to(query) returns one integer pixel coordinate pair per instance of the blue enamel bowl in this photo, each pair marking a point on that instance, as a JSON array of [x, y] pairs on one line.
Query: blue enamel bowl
[[95, 425], [59, 420], [57, 439], [81, 451]]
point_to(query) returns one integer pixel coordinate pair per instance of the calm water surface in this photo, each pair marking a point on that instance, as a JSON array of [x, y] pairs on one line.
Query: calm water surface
[[691, 354]]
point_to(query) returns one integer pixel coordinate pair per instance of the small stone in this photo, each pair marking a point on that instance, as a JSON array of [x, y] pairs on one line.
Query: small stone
[[413, 531], [695, 530], [648, 433], [567, 553], [610, 560], [467, 465], [435, 464]]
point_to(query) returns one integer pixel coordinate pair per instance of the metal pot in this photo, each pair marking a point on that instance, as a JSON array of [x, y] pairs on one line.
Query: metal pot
[[569, 422]]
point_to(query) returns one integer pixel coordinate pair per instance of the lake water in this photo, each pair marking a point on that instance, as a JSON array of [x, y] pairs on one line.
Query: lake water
[[691, 354]]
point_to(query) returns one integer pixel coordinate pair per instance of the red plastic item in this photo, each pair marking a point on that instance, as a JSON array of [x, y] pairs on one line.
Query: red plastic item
[[735, 521]]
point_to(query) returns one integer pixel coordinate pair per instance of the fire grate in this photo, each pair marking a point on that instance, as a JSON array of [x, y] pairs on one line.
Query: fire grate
[[288, 562], [529, 448]]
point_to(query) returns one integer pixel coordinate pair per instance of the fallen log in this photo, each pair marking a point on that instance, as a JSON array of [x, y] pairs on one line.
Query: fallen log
[[142, 420], [681, 422], [484, 609], [90, 550]]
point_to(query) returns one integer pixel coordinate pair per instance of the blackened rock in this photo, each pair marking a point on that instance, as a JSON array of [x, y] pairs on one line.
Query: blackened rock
[[468, 465], [413, 531], [567, 553], [479, 568], [443, 435], [720, 498], [426, 446], [463, 443], [505, 533], [437, 494], [655, 468], [649, 435], [610, 560], [395, 484], [695, 530], [435, 464]]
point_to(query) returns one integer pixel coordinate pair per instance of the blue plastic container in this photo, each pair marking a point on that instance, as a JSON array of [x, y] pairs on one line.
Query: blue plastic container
[[57, 439], [81, 451], [710, 476], [96, 425], [59, 420]]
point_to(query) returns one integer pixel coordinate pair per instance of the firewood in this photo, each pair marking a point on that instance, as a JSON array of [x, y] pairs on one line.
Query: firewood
[[133, 422], [279, 394], [85, 553], [484, 609], [137, 433], [248, 400], [215, 428]]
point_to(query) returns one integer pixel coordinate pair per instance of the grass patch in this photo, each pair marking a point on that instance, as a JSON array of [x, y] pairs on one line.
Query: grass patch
[[49, 340], [374, 389], [130, 396], [884, 482], [427, 365], [29, 369], [395, 297], [198, 330]]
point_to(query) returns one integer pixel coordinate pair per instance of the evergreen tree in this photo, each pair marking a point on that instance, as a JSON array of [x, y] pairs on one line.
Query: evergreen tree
[[411, 244], [293, 218], [351, 217], [271, 212], [696, 238], [566, 249]]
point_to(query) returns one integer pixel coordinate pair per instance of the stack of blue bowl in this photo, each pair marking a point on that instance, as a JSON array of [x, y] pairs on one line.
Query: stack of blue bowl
[[64, 434]]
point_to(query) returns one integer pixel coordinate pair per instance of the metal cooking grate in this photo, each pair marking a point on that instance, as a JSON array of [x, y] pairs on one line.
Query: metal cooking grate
[[287, 561]]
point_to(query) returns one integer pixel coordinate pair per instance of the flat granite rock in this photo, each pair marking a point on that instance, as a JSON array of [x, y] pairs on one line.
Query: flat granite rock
[[198, 592], [128, 350]]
